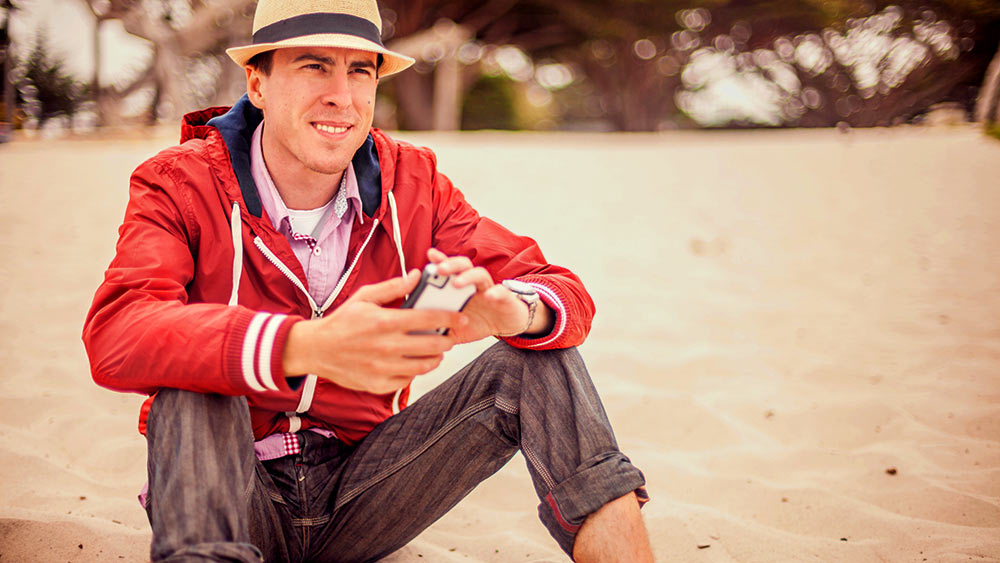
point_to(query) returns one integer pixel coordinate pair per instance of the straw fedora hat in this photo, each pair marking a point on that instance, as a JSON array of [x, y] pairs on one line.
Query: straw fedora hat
[[350, 24]]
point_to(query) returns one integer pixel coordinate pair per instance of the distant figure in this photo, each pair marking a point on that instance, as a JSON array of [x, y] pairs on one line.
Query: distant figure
[[255, 296]]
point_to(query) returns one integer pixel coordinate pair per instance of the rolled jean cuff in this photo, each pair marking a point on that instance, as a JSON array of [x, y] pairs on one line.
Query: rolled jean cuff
[[598, 481], [208, 552]]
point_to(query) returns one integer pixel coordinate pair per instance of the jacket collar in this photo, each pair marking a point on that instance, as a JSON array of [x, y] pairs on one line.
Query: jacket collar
[[236, 126]]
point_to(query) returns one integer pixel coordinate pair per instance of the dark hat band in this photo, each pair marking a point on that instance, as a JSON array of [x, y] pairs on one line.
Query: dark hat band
[[318, 23]]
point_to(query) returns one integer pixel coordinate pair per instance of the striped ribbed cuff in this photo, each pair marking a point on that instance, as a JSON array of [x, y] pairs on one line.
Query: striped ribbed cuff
[[256, 349], [554, 301]]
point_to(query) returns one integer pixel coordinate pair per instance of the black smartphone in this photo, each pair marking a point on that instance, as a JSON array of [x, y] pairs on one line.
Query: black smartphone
[[436, 292]]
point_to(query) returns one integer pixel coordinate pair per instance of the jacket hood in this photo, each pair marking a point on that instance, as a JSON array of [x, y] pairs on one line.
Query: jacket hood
[[236, 126]]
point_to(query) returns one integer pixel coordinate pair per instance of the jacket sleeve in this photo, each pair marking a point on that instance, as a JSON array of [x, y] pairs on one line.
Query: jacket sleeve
[[460, 230], [142, 334]]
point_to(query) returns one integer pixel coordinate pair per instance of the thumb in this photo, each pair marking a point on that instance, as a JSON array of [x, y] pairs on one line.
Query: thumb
[[389, 290]]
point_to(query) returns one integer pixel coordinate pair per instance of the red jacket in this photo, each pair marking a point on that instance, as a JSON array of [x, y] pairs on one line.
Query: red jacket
[[165, 315]]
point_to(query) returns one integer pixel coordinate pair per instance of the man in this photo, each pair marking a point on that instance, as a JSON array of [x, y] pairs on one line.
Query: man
[[255, 296]]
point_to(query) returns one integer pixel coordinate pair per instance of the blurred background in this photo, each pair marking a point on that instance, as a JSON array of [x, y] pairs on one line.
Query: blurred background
[[593, 65]]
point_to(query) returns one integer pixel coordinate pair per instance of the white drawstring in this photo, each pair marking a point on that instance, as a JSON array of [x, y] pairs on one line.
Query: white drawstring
[[236, 224], [395, 401], [397, 238]]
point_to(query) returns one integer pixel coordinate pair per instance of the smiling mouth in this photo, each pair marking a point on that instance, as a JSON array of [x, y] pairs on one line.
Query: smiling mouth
[[330, 128]]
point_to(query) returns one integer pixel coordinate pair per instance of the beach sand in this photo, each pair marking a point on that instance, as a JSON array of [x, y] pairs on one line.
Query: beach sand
[[797, 340]]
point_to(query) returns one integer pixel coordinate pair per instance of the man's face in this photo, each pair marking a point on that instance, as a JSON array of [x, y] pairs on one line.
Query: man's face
[[318, 104]]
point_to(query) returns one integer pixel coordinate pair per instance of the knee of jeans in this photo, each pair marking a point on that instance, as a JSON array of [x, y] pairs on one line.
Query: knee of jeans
[[190, 405], [560, 363], [508, 352]]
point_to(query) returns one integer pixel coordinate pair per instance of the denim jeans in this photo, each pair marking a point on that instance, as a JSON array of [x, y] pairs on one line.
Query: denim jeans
[[210, 499]]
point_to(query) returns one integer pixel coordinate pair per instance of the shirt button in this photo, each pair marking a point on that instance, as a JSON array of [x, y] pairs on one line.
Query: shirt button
[[317, 251]]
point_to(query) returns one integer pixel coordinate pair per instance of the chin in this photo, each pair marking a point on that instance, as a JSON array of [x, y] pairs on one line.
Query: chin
[[329, 168]]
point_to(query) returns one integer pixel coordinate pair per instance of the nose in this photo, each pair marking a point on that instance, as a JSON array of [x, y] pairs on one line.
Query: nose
[[338, 89]]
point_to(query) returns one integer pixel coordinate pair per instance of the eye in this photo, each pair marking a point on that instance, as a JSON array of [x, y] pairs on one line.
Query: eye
[[364, 71], [313, 66]]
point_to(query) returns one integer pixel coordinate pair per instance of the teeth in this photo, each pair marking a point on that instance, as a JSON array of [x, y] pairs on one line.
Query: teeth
[[328, 129]]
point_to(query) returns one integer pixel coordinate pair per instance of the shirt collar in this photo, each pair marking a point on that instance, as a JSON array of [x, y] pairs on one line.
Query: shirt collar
[[271, 200]]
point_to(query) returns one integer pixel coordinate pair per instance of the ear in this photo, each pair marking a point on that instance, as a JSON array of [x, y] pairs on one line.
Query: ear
[[255, 90]]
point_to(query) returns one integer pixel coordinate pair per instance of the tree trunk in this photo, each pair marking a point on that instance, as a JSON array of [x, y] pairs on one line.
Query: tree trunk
[[231, 83], [8, 86], [440, 107], [95, 81], [414, 96], [988, 101], [447, 112], [173, 99], [9, 100]]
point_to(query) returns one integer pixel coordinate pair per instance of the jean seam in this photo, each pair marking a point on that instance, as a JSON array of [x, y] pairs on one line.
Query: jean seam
[[537, 464], [472, 410]]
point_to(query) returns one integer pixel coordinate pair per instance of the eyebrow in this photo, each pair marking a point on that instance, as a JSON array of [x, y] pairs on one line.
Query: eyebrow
[[312, 57], [364, 63], [329, 61]]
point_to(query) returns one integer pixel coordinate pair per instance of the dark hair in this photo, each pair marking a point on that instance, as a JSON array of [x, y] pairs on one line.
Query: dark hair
[[263, 61]]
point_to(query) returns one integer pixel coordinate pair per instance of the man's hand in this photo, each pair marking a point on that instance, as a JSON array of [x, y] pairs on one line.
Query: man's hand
[[494, 309], [365, 346]]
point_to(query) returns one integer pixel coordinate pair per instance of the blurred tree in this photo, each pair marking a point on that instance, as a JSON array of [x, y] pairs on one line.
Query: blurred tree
[[631, 51], [7, 66], [632, 56], [490, 104], [863, 63], [988, 101], [488, 22], [58, 93], [986, 14], [434, 94], [188, 67], [636, 57]]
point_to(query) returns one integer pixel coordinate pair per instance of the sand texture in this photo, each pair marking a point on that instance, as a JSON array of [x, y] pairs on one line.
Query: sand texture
[[797, 340]]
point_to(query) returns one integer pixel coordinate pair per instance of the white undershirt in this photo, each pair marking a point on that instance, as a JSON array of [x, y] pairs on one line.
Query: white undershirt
[[305, 221]]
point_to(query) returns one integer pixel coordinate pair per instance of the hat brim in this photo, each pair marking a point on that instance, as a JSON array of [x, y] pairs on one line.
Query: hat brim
[[391, 64]]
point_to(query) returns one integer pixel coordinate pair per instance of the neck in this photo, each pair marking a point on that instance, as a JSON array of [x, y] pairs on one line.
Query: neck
[[299, 187], [302, 194]]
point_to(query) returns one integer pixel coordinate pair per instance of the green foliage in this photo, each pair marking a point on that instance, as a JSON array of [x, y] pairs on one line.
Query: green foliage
[[993, 130], [58, 92], [490, 104]]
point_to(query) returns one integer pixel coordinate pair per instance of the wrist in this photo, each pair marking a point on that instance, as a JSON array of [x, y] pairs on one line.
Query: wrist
[[295, 356], [529, 298]]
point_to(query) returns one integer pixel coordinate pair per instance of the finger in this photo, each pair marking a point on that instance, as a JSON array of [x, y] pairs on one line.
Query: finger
[[498, 294], [411, 320], [435, 255], [388, 290], [477, 277], [424, 345], [391, 323], [454, 265]]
